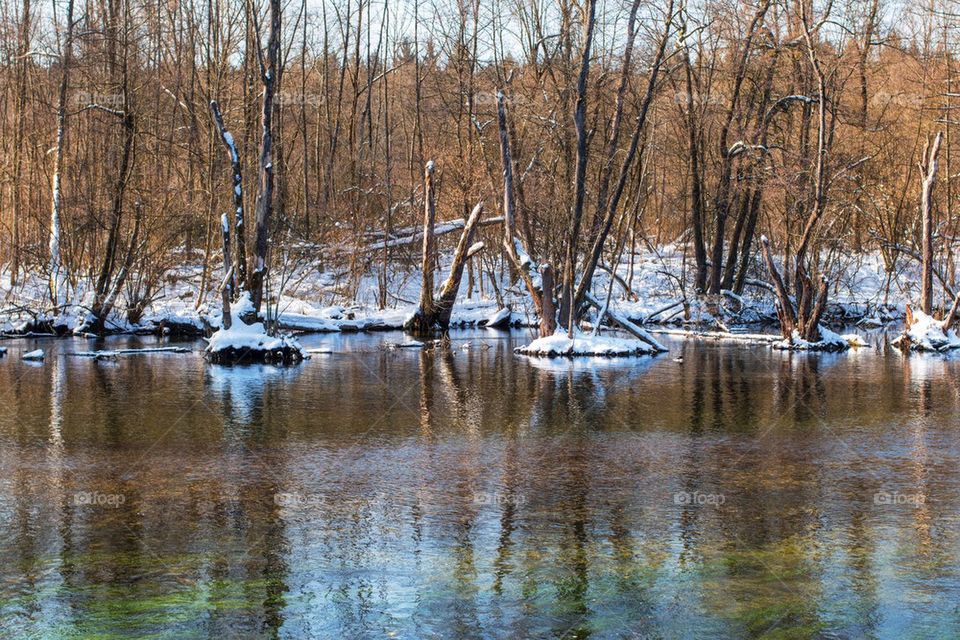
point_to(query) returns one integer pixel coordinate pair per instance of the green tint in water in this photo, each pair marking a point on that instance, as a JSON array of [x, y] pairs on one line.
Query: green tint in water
[[471, 493]]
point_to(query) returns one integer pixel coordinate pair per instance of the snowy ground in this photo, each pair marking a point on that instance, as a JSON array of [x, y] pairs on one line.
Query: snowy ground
[[316, 301]]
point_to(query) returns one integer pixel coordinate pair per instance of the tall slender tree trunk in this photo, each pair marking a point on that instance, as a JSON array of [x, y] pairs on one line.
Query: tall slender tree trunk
[[269, 76], [930, 164], [66, 55], [21, 81], [567, 310], [696, 182]]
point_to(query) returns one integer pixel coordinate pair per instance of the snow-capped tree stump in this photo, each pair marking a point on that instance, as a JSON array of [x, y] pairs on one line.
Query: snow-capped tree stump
[[923, 332], [423, 319], [238, 342]]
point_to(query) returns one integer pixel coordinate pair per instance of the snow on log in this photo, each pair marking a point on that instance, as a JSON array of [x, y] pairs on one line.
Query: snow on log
[[440, 229], [304, 322], [625, 324], [559, 344], [499, 320], [33, 355]]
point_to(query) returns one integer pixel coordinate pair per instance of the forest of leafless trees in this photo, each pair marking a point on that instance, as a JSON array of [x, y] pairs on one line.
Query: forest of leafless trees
[[789, 130]]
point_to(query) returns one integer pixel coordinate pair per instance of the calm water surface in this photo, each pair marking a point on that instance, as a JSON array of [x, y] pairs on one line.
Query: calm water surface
[[471, 493]]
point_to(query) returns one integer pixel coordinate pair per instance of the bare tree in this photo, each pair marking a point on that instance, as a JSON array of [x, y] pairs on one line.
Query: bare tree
[[66, 54]]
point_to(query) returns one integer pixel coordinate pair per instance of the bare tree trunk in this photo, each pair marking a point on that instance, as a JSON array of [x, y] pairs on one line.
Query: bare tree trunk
[[523, 267], [103, 284], [57, 200], [864, 56], [952, 314], [21, 80], [567, 311], [608, 209], [722, 202], [606, 171], [548, 312], [749, 230], [696, 183], [756, 178], [240, 276], [304, 140], [126, 265], [228, 286], [388, 174], [785, 312], [810, 304], [929, 168], [269, 76]]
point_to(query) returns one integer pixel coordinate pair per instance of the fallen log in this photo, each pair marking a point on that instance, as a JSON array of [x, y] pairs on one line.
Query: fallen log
[[441, 229], [624, 323], [114, 353]]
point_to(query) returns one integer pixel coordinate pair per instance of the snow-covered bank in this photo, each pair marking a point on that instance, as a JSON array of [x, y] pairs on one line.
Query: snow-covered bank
[[645, 290], [467, 313]]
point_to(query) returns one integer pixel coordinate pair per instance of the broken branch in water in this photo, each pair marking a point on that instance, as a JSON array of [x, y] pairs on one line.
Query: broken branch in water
[[113, 353]]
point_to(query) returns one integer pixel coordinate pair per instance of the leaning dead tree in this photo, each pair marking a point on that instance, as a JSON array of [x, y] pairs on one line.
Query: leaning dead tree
[[433, 312]]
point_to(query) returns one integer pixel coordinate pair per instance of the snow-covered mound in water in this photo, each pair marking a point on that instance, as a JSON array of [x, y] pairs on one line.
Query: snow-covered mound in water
[[926, 333], [250, 342], [585, 345], [829, 341]]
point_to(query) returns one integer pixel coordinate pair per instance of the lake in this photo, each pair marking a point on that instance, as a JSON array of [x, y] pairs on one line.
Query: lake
[[472, 493]]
